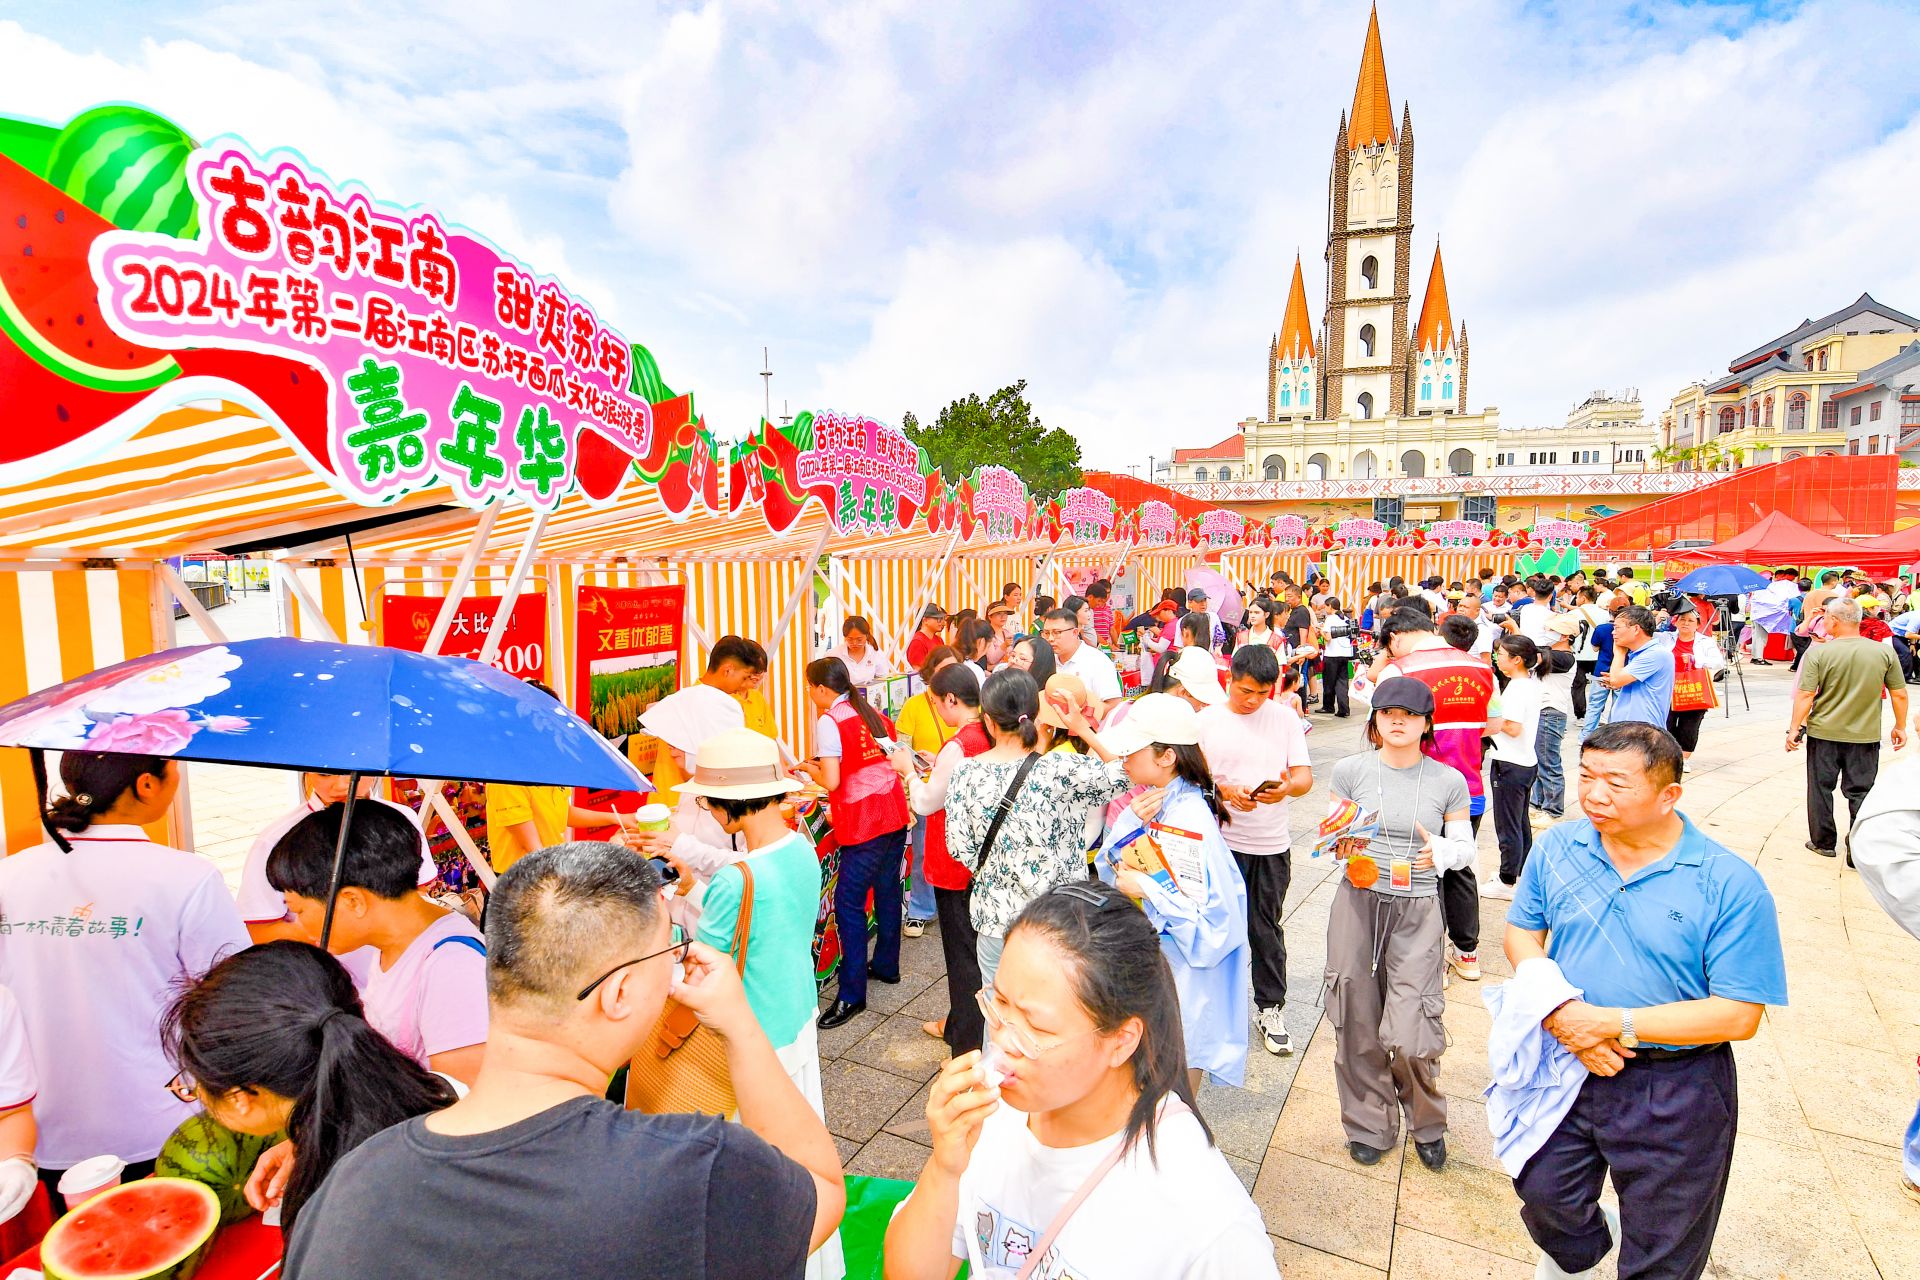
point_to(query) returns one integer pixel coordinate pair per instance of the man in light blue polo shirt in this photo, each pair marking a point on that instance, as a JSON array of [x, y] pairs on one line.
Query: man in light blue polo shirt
[[1674, 942], [1643, 684]]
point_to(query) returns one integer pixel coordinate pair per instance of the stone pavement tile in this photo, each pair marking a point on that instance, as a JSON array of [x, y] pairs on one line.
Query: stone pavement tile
[[1852, 1020], [1868, 1178], [835, 1041], [1769, 1105], [860, 1098], [910, 1121], [1334, 1210], [1886, 952], [1899, 1012], [1468, 1137], [1242, 1118], [892, 997], [900, 1046], [1871, 920], [930, 1004], [1466, 1204], [1857, 1092], [1431, 1257], [1309, 1126], [1783, 1216], [847, 1148], [1316, 1065], [1245, 1170], [889, 1157], [1298, 1262]]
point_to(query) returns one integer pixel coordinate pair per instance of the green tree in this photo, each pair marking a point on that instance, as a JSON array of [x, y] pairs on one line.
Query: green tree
[[1003, 431]]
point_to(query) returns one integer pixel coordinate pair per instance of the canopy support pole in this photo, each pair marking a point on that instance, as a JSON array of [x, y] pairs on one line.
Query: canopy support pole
[[802, 589], [462, 577], [190, 602], [857, 596], [322, 629], [522, 564], [925, 593]]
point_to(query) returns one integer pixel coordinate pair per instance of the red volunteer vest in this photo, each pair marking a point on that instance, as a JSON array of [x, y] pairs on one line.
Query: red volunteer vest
[[871, 800], [943, 870]]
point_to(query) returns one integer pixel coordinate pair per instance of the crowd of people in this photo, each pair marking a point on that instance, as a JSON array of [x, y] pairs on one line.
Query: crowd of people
[[1108, 876]]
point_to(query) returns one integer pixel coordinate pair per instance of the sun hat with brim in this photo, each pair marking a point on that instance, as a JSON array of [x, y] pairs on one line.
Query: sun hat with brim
[[1564, 624], [1157, 718], [738, 764], [1070, 687], [1403, 693], [685, 719], [1199, 675]]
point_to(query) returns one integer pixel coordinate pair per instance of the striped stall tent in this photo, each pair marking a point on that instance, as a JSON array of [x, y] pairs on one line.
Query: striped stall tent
[[58, 623], [888, 590], [976, 578], [1353, 572]]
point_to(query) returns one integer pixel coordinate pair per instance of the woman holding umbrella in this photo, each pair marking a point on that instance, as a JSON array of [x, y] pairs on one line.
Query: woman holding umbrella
[[102, 926]]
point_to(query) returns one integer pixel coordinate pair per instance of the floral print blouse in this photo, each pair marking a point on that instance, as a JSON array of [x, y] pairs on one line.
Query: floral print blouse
[[1042, 843]]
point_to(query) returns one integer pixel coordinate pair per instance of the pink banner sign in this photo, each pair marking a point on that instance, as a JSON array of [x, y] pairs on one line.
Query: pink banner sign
[[1457, 534], [1086, 515], [445, 360], [1558, 533], [1288, 531], [871, 476], [1220, 528], [999, 503], [1359, 533], [1159, 523]]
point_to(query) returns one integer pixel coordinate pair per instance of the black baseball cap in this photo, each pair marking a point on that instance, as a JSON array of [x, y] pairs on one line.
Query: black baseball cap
[[933, 613], [1404, 693]]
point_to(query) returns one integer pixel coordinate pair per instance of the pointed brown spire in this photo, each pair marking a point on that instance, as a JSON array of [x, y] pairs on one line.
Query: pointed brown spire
[[1435, 329], [1296, 328], [1371, 120]]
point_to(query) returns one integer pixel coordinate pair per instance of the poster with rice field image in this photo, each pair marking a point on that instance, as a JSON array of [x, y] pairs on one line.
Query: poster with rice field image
[[628, 659]]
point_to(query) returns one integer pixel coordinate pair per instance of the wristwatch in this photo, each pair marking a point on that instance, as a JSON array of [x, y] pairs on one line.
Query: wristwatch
[[1628, 1040]]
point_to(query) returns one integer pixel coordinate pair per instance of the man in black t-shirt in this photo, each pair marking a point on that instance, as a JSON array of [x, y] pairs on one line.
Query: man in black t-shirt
[[534, 1174], [1299, 623]]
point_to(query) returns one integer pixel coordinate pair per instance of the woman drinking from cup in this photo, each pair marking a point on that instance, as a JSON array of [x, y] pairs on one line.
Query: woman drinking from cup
[[1385, 936]]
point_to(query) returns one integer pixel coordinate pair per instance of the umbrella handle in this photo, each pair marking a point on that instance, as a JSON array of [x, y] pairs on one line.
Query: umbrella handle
[[339, 858]]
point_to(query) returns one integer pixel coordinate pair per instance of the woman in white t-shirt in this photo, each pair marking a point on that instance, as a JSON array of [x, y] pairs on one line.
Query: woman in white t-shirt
[[1099, 1144], [18, 1085], [1259, 629], [100, 927], [1517, 722]]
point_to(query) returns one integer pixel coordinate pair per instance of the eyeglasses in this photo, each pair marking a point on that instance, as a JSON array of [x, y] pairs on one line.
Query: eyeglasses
[[1054, 633], [681, 944], [1013, 1035], [184, 1087]]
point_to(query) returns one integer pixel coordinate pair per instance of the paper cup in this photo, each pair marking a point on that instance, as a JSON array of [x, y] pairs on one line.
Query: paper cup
[[652, 817], [89, 1178]]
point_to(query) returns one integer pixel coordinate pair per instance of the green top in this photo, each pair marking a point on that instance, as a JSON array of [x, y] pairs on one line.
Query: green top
[[786, 905], [1848, 674]]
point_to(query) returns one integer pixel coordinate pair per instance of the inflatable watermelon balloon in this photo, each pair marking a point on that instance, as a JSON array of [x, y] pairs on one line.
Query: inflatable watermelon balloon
[[129, 166], [206, 1151], [152, 1229]]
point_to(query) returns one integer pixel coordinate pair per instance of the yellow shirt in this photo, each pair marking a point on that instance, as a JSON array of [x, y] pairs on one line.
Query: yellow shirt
[[758, 710], [921, 725], [509, 805], [666, 778]]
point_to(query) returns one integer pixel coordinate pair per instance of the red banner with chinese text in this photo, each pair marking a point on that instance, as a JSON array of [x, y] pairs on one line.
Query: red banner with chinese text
[[405, 622]]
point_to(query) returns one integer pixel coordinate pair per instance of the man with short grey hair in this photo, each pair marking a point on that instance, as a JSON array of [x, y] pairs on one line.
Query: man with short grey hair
[[1836, 708], [553, 1178]]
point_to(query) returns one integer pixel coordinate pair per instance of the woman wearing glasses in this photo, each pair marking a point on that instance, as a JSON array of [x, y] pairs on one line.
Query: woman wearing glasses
[[1099, 1144], [274, 1040]]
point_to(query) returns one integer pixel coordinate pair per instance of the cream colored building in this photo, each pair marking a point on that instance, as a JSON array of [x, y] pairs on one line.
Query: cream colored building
[[1782, 399], [1603, 434]]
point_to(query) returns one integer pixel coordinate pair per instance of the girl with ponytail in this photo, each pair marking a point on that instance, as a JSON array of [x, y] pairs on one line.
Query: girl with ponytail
[[274, 1040], [1515, 720], [851, 744], [1034, 804], [104, 925], [1099, 1138]]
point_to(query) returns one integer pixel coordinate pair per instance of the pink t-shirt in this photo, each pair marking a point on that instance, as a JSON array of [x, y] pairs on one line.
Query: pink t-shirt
[[260, 902], [1245, 751], [434, 998]]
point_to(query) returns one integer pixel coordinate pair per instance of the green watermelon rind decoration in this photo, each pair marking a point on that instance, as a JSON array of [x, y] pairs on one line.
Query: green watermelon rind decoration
[[85, 1222], [22, 334], [129, 166]]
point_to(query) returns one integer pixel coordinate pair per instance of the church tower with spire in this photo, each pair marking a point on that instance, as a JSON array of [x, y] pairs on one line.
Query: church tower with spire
[[1369, 240], [1292, 375], [1436, 368]]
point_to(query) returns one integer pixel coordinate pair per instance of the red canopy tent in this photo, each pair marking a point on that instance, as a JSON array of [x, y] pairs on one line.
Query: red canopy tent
[[1905, 543], [1779, 539]]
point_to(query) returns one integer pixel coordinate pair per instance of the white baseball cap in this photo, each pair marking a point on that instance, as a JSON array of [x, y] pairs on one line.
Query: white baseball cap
[[1199, 675], [1156, 718]]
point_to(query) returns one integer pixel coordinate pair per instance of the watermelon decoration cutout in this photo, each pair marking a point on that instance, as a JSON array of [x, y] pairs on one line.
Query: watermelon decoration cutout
[[205, 1151], [129, 166], [152, 1229]]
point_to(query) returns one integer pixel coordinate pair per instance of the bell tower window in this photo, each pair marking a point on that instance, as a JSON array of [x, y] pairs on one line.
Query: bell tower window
[[1366, 402], [1370, 272], [1366, 340]]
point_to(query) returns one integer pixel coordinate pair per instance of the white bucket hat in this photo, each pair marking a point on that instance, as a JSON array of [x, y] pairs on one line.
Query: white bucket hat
[[1199, 675], [1158, 717], [739, 764]]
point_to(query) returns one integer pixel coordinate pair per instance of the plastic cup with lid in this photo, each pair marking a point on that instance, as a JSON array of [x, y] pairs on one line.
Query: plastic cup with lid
[[652, 817], [90, 1177]]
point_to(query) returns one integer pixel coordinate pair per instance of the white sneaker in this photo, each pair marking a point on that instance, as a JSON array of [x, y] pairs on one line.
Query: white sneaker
[[1550, 1270], [914, 928], [1464, 963], [1273, 1031], [1494, 888]]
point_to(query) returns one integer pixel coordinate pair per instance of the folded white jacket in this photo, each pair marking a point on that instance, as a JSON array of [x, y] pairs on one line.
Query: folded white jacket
[[1535, 1079]]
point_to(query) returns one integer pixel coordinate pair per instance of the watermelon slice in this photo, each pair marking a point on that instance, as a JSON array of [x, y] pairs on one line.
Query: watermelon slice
[[49, 306], [153, 1229]]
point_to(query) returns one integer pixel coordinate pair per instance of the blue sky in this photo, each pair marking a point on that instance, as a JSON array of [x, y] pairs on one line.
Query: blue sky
[[908, 202]]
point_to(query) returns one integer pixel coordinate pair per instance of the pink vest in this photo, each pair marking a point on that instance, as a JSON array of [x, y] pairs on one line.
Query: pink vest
[[871, 799]]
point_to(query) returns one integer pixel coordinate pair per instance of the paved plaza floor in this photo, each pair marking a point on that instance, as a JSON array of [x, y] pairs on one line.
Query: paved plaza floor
[[1826, 1088]]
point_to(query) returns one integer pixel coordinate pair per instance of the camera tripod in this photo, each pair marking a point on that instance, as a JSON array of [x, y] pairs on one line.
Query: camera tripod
[[1729, 640]]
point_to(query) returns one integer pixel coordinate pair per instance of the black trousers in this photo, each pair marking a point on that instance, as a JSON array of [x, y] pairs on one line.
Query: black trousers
[[1582, 672], [1267, 876], [1904, 652], [1800, 646], [1664, 1129], [1851, 766], [1334, 675], [1510, 785], [959, 945]]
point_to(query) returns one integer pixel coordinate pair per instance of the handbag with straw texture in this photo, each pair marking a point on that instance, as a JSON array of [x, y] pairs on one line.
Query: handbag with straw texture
[[683, 1067]]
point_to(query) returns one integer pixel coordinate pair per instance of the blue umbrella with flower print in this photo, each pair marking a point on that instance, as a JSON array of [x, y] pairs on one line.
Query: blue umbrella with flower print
[[330, 708]]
